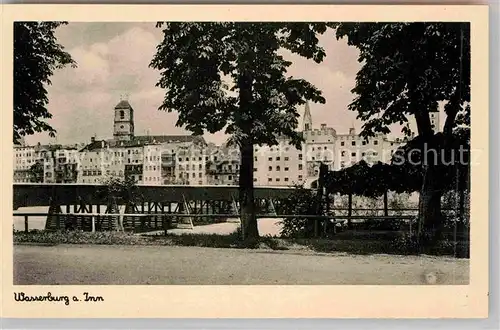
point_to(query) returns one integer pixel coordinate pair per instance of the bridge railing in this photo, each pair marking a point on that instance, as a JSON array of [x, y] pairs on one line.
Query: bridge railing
[[165, 218]]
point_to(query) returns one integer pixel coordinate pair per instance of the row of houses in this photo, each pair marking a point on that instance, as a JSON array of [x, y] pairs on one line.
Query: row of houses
[[190, 160]]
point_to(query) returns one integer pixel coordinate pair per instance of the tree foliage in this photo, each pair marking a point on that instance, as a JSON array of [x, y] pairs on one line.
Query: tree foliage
[[36, 172], [410, 69], [202, 65], [407, 70], [231, 76], [36, 56], [124, 190], [404, 174]]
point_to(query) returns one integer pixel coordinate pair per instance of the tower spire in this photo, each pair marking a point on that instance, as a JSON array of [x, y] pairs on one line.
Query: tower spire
[[307, 118], [352, 130]]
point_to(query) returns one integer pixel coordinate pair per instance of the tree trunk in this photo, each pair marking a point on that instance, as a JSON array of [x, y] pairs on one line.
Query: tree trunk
[[430, 215], [250, 229]]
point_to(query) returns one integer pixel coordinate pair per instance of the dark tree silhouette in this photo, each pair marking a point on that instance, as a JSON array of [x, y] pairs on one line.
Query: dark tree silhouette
[[36, 55], [230, 76], [407, 70]]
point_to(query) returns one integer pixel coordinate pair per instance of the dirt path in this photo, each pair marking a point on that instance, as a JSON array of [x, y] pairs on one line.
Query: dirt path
[[165, 265]]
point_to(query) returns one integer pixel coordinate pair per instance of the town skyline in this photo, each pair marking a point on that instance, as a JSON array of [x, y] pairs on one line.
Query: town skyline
[[82, 99]]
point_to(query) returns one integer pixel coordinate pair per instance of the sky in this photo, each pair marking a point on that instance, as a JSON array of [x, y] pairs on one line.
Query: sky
[[113, 59]]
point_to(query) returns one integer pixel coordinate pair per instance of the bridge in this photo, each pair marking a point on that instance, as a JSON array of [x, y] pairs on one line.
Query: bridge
[[70, 205]]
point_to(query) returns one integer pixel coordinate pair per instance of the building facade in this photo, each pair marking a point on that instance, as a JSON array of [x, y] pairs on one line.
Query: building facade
[[189, 160]]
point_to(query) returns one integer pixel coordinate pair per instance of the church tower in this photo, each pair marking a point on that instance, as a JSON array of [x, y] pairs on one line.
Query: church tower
[[123, 129], [307, 124]]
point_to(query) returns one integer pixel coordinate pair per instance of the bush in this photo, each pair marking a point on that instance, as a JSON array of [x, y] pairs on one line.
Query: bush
[[301, 201]]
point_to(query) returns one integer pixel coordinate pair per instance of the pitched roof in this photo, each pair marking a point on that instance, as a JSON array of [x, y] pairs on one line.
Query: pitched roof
[[123, 104], [95, 145], [139, 141], [170, 138]]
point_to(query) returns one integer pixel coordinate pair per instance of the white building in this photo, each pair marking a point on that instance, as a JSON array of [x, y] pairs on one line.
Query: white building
[[184, 159], [24, 158]]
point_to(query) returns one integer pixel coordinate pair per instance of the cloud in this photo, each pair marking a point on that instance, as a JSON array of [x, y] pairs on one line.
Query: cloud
[[93, 70], [82, 99], [114, 58]]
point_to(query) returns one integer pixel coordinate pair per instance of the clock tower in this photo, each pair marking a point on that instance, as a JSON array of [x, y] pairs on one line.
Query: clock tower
[[123, 129]]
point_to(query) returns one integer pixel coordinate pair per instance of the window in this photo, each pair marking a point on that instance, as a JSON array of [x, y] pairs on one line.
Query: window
[[187, 159], [312, 148], [286, 149], [277, 158], [140, 177], [216, 177], [255, 158], [363, 154], [255, 169], [277, 179], [324, 148], [206, 158], [200, 175], [375, 153], [199, 158], [269, 179], [353, 143], [353, 154], [277, 168], [312, 158], [300, 156], [286, 169], [270, 159], [375, 142], [270, 168], [122, 115], [286, 158], [229, 177], [363, 143], [286, 179], [342, 143], [200, 182], [200, 167], [343, 153], [254, 179], [300, 167], [300, 177], [180, 159]]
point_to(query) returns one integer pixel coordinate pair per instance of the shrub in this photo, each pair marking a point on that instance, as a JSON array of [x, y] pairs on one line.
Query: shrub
[[301, 201]]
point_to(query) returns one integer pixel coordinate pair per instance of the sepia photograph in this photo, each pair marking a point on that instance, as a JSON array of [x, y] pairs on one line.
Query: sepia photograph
[[241, 153]]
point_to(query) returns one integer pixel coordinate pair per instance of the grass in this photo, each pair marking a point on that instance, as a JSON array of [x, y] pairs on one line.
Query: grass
[[353, 242]]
